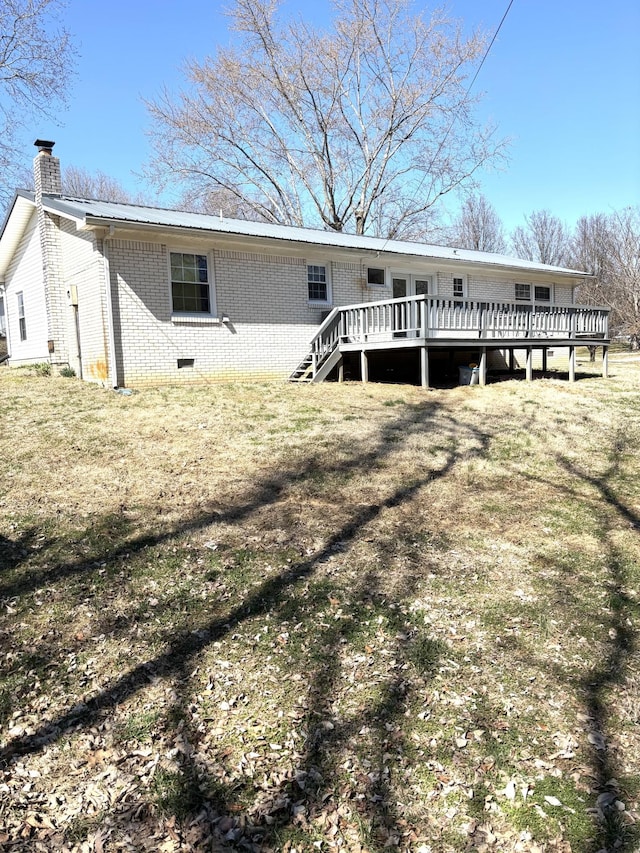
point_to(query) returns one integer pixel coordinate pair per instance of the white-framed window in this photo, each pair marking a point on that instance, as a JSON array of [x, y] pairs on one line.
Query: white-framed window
[[191, 284], [376, 277], [542, 293], [3, 318], [423, 285], [523, 292], [318, 283], [22, 323], [459, 287]]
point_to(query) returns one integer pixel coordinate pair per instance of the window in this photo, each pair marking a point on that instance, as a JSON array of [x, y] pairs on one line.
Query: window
[[542, 294], [375, 277], [190, 289], [317, 283], [459, 288], [22, 323], [422, 285], [3, 322], [523, 291]]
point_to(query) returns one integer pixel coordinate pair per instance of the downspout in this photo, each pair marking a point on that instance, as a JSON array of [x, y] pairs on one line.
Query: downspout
[[111, 337], [3, 292]]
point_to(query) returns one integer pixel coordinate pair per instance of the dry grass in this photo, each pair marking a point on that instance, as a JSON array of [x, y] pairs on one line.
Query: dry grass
[[266, 617]]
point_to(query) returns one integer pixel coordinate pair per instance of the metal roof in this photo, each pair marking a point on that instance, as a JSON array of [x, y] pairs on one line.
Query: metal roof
[[95, 213]]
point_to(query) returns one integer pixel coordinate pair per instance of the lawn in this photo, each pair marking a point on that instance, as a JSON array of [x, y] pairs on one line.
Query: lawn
[[336, 617]]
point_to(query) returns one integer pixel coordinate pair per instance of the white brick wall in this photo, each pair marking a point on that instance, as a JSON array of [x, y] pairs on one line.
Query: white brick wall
[[83, 268], [265, 298]]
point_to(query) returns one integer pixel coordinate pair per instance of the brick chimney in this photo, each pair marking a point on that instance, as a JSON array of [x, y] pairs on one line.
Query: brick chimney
[[46, 170], [46, 173]]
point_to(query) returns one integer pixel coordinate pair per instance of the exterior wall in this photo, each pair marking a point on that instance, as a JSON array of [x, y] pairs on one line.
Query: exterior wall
[[499, 288], [83, 269], [25, 274], [479, 287], [264, 296], [271, 320]]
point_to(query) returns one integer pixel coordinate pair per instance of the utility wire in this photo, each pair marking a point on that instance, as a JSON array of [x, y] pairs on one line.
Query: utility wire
[[455, 115]]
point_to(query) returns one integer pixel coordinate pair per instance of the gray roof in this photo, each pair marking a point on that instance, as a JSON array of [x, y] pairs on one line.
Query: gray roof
[[90, 212]]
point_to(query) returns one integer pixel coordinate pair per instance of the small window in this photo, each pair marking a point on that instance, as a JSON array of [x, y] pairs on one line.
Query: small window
[[523, 291], [190, 291], [3, 322], [458, 288], [542, 294], [22, 323], [375, 277], [317, 283], [423, 286]]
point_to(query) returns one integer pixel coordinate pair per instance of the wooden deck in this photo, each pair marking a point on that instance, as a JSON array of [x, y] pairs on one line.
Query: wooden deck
[[431, 322]]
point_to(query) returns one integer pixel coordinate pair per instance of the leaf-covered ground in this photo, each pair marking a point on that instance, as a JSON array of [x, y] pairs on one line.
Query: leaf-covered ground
[[360, 618]]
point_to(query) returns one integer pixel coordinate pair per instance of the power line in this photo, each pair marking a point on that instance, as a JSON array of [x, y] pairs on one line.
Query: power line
[[455, 115]]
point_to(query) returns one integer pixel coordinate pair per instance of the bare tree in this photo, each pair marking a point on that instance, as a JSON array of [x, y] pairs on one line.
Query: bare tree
[[624, 273], [363, 127], [608, 247], [96, 185], [36, 58], [478, 226], [544, 238]]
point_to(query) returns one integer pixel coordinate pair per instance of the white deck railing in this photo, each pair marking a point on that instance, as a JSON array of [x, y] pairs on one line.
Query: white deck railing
[[433, 317]]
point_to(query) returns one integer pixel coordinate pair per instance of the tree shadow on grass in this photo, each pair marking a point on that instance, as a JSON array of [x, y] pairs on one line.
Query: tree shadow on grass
[[616, 636], [272, 596], [621, 643]]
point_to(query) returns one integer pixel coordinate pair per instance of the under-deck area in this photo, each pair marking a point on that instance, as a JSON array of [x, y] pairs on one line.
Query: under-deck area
[[427, 339]]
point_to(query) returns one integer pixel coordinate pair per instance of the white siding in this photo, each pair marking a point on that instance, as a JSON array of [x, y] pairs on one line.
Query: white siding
[[25, 275]]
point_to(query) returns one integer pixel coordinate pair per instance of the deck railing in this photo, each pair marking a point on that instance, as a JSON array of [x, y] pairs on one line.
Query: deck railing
[[432, 317], [436, 317]]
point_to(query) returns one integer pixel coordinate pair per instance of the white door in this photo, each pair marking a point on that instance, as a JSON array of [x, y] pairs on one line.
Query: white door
[[406, 315]]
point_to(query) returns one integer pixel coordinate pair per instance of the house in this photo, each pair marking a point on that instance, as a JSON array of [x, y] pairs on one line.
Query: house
[[128, 295]]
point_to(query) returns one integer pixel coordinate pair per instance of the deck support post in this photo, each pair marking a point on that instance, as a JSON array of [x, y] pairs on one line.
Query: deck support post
[[544, 359], [424, 367], [483, 366], [605, 362], [364, 366], [512, 360], [572, 364], [529, 369], [341, 370]]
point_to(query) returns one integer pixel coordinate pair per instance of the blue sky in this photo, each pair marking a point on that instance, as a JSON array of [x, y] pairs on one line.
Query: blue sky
[[562, 81]]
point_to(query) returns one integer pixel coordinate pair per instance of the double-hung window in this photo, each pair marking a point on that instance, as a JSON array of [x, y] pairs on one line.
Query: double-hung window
[[190, 283], [523, 292], [459, 287], [22, 323], [318, 285], [542, 294]]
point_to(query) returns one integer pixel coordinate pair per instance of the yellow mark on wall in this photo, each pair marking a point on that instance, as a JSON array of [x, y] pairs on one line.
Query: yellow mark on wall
[[98, 370]]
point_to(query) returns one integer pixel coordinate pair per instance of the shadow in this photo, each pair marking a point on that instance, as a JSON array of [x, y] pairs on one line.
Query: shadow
[[191, 789], [621, 644]]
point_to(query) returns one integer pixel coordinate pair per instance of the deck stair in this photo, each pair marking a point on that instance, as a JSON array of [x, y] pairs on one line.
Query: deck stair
[[324, 352], [304, 371]]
